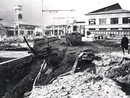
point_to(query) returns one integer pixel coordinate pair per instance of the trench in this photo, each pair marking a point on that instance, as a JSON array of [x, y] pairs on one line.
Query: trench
[[60, 62], [125, 87], [123, 71], [3, 59], [24, 74]]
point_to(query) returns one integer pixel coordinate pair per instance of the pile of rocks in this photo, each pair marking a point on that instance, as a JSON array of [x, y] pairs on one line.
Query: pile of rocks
[[79, 85]]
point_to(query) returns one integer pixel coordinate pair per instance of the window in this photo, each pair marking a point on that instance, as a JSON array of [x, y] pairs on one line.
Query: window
[[102, 21], [114, 28], [92, 21], [74, 28], [30, 32], [114, 20], [21, 32], [102, 28], [20, 16], [125, 28], [126, 20], [91, 28]]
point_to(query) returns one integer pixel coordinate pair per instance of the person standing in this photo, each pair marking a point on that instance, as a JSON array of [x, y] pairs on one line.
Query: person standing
[[124, 44]]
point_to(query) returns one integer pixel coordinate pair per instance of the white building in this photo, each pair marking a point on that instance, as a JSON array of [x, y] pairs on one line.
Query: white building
[[20, 28], [2, 32], [55, 30], [78, 26], [111, 21]]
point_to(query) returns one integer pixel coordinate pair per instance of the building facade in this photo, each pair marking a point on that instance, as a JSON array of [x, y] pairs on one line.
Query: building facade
[[55, 30], [21, 28], [110, 21], [2, 32], [78, 26]]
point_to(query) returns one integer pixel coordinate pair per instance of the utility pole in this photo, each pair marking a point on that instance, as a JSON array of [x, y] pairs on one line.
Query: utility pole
[[42, 24], [54, 11], [42, 13]]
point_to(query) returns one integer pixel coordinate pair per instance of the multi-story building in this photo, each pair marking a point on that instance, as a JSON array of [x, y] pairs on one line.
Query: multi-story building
[[21, 28], [110, 21]]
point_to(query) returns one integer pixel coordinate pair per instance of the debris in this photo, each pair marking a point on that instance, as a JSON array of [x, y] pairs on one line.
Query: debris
[[79, 85]]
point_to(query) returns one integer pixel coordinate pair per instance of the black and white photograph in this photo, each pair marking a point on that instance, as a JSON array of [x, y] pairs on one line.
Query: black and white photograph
[[64, 49]]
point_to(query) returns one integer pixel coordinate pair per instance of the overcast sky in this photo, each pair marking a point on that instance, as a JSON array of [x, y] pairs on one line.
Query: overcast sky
[[32, 9]]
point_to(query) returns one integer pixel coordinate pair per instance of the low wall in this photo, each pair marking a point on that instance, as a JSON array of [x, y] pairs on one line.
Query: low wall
[[12, 72], [39, 44], [16, 61]]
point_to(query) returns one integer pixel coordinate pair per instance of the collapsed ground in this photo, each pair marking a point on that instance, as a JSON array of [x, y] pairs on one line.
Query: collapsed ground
[[110, 70], [111, 79]]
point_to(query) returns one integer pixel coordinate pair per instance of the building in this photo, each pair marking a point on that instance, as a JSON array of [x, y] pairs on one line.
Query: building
[[2, 31], [110, 21], [78, 26], [20, 28], [61, 30], [55, 30]]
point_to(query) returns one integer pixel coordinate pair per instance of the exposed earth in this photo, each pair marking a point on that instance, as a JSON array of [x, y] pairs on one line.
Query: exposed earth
[[110, 78], [106, 76]]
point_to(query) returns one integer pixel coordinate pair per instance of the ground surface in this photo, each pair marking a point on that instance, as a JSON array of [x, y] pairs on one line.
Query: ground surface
[[100, 81], [85, 84]]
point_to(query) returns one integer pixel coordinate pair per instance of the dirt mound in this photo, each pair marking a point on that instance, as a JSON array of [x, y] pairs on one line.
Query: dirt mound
[[104, 84], [79, 85]]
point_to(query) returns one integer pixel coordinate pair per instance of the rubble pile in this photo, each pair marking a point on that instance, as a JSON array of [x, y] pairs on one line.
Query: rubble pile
[[79, 85], [107, 59], [106, 62], [114, 67], [121, 73], [110, 70]]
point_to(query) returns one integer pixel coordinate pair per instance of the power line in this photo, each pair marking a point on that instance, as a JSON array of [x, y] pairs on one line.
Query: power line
[[55, 10]]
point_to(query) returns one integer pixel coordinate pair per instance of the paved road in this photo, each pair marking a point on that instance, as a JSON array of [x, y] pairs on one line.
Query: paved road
[[13, 54]]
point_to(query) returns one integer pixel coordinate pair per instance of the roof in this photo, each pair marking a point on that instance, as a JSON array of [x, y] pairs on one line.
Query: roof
[[112, 9], [27, 26], [117, 11], [80, 21]]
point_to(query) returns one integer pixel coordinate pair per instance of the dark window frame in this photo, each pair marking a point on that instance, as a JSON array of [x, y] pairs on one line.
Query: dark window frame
[[114, 28], [114, 20], [103, 29], [92, 28], [126, 20], [92, 21], [102, 21]]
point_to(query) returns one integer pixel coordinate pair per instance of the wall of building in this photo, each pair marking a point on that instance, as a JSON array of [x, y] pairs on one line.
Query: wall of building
[[57, 30], [108, 24]]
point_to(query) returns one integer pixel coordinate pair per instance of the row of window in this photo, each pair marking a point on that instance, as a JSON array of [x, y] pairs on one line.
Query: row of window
[[110, 28], [29, 32], [102, 21]]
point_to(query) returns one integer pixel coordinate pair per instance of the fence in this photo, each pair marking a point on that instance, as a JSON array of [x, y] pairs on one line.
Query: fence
[[110, 33]]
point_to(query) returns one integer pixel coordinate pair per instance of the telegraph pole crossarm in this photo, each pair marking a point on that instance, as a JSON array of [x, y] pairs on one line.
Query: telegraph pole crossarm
[[55, 10]]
